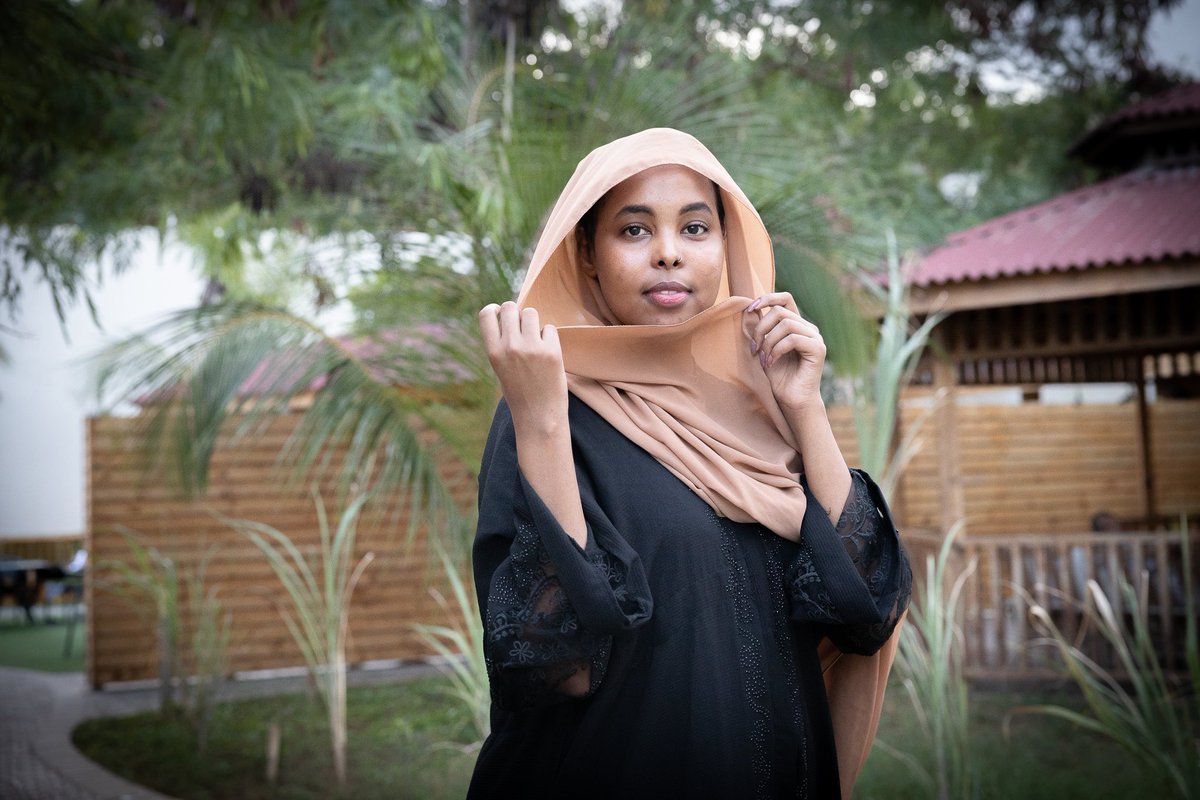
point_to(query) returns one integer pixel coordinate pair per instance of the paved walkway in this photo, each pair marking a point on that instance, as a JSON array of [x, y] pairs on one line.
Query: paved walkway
[[38, 711]]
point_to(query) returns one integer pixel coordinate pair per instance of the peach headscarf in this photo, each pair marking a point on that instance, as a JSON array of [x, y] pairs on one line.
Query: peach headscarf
[[692, 394]]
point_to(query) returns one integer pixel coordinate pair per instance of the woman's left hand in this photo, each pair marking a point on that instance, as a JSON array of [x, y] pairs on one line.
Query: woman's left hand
[[790, 349]]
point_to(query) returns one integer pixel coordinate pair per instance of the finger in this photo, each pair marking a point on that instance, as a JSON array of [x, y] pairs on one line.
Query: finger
[[510, 320], [531, 326], [806, 347], [781, 299], [550, 337], [792, 338], [774, 318], [779, 315], [489, 325]]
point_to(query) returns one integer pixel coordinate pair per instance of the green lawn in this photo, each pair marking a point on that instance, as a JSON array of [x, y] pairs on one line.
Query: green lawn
[[40, 645], [408, 742], [1045, 759]]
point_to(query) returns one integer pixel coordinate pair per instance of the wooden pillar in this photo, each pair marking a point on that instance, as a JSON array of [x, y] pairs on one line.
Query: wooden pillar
[[945, 418], [1144, 435]]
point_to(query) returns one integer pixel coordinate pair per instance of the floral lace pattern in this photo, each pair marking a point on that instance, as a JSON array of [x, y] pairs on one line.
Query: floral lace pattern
[[874, 555], [533, 641]]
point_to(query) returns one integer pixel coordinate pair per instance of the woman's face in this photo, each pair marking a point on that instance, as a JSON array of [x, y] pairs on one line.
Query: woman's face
[[659, 249]]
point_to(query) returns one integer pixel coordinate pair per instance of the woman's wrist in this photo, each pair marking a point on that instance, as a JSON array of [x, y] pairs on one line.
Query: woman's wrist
[[824, 466], [544, 420]]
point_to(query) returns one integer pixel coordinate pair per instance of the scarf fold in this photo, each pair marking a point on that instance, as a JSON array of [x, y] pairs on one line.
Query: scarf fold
[[717, 430]]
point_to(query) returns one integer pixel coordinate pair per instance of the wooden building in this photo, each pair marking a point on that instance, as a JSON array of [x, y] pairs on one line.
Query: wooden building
[[1098, 285]]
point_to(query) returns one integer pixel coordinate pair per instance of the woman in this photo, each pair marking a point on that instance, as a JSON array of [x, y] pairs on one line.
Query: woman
[[657, 556]]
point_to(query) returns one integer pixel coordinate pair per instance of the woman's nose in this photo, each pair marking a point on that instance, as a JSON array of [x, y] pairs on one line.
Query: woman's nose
[[668, 252]]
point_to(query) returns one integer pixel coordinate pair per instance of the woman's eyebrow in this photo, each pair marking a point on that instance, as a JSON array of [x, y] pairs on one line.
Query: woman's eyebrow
[[699, 205]]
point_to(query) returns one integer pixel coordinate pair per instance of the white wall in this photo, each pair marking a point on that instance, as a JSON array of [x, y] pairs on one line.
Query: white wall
[[46, 392]]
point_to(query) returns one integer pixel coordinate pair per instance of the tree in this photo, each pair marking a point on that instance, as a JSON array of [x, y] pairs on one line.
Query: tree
[[314, 117], [229, 125], [496, 182]]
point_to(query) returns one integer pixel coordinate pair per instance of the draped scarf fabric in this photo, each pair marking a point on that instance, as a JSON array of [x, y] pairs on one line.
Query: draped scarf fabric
[[692, 394]]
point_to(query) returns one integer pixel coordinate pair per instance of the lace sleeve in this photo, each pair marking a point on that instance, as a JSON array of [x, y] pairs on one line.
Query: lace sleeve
[[536, 647], [550, 608], [854, 579]]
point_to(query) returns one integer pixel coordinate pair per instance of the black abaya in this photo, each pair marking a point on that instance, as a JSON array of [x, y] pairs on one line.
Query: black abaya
[[690, 638]]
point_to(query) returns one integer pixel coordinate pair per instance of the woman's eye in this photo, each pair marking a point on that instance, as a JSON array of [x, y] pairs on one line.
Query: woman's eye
[[695, 228], [635, 230]]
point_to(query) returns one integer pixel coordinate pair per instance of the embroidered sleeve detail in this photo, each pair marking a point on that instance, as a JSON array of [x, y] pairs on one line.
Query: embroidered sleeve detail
[[537, 649], [853, 579], [859, 524]]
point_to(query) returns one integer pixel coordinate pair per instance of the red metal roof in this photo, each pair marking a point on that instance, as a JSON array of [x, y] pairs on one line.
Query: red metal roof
[[1168, 110], [422, 355], [1147, 215], [416, 356], [1180, 100]]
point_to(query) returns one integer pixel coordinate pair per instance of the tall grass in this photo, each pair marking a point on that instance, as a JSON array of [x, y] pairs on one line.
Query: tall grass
[[929, 663], [460, 643], [1153, 717], [211, 626], [319, 614], [877, 392], [190, 668]]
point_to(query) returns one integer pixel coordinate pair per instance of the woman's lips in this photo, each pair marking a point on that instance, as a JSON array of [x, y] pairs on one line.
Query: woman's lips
[[668, 294]]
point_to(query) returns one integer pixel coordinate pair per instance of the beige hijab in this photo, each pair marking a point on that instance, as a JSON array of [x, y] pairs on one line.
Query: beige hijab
[[692, 395], [689, 394]]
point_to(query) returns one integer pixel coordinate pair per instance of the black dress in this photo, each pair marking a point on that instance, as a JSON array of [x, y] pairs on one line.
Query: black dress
[[697, 635]]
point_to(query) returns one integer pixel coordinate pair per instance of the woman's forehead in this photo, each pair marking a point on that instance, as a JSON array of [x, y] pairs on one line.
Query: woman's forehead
[[665, 183]]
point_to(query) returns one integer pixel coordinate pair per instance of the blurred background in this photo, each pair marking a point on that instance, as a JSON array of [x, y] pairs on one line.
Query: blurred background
[[120, 119], [242, 244]]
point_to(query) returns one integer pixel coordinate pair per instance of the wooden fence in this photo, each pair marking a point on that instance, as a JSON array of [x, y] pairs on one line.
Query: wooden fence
[[1004, 576], [1031, 474], [55, 549], [1047, 469], [245, 483]]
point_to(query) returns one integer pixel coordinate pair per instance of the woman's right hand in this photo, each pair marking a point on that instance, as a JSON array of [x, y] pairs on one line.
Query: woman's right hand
[[528, 361]]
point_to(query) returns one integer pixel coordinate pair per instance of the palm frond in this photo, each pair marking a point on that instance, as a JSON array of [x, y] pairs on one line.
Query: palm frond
[[228, 370]]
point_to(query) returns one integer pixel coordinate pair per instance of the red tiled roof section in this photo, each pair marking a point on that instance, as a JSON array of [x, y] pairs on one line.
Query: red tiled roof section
[[1180, 100], [1167, 107], [415, 356], [418, 356], [1142, 216]]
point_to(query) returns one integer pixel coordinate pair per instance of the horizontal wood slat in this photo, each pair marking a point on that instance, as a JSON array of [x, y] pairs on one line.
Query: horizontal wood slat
[[1025, 468], [245, 482], [1034, 467]]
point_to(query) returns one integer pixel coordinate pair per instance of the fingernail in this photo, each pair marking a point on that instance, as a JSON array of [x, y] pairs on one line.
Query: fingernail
[[762, 359], [754, 306], [753, 347]]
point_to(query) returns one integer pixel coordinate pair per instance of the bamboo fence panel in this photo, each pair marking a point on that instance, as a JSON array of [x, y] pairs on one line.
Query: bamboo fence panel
[[245, 483], [1028, 469]]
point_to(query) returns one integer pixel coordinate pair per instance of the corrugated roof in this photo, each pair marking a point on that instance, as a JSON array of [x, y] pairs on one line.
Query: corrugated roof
[[1180, 100], [416, 356], [419, 356], [1170, 107], [1148, 215]]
